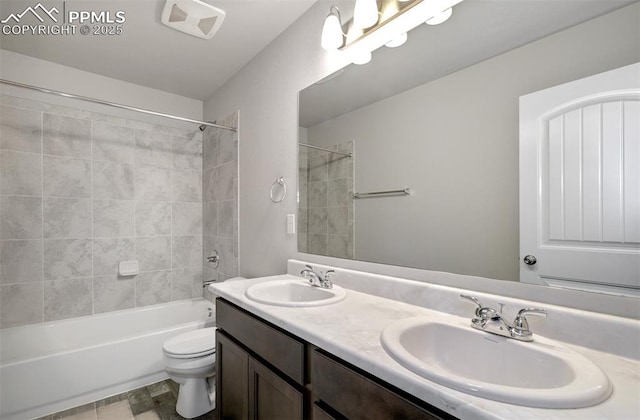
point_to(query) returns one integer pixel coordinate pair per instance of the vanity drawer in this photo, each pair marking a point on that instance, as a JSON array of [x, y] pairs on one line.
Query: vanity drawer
[[356, 396], [278, 348]]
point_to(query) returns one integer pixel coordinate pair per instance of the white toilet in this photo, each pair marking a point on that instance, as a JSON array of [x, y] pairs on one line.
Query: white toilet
[[190, 360]]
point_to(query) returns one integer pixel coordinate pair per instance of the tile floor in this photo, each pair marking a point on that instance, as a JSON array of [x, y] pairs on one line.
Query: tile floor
[[154, 402]]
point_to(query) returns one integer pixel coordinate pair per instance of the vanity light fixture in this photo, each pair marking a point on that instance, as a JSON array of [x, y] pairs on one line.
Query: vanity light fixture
[[365, 13], [332, 35], [387, 25]]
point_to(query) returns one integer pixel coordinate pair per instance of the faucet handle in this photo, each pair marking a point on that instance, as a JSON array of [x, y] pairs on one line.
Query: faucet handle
[[329, 274], [471, 299], [520, 324], [309, 267]]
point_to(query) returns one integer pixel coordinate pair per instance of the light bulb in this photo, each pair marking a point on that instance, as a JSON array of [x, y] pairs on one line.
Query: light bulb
[[332, 37], [396, 42], [365, 13], [361, 57], [437, 19]]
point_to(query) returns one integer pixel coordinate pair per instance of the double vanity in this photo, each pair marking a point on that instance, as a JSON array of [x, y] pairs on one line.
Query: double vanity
[[356, 345]]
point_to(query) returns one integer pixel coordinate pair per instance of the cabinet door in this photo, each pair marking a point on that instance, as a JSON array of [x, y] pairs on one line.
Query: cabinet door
[[270, 396], [359, 397], [232, 375]]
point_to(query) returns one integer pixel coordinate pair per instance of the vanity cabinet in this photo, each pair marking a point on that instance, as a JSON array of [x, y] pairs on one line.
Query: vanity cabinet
[[344, 391], [264, 372], [259, 369]]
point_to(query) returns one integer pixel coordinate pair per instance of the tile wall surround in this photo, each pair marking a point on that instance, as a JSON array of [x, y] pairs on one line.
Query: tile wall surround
[[81, 191], [220, 199], [325, 216]]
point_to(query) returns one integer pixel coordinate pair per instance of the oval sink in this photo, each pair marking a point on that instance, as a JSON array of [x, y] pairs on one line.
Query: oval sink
[[294, 292], [542, 373]]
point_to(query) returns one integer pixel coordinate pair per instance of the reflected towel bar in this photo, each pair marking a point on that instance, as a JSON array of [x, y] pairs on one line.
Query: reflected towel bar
[[324, 150], [404, 191]]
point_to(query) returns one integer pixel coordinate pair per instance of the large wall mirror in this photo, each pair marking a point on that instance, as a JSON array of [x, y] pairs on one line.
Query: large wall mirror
[[438, 118]]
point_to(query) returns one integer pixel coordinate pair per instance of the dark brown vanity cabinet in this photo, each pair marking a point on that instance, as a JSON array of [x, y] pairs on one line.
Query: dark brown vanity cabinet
[[344, 391], [263, 372], [259, 369]]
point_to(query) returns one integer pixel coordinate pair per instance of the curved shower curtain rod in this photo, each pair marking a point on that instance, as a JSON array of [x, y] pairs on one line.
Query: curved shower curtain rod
[[203, 124]]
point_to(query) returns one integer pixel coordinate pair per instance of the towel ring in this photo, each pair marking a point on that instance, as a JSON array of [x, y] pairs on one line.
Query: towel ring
[[272, 194]]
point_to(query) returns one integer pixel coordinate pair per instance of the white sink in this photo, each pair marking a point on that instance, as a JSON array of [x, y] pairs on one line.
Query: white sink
[[542, 373], [294, 292]]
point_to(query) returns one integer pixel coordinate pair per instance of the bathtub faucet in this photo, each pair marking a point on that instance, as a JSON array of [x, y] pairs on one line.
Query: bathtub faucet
[[207, 282]]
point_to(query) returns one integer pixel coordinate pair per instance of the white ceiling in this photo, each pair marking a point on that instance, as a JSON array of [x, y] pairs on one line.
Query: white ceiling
[[151, 54]]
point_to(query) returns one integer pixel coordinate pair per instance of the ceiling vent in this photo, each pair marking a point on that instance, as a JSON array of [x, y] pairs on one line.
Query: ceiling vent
[[193, 17]]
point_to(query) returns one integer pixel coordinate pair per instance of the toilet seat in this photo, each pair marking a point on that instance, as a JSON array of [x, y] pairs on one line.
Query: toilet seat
[[192, 344]]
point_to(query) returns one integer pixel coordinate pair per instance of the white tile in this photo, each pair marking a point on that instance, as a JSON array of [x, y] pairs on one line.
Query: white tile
[[20, 173], [66, 136], [20, 304], [116, 411], [20, 217], [187, 219], [20, 129], [67, 299], [152, 183], [113, 293], [186, 186], [153, 288], [108, 252], [67, 177], [67, 258], [154, 253], [20, 261], [153, 218], [67, 218], [113, 143], [113, 180], [113, 218]]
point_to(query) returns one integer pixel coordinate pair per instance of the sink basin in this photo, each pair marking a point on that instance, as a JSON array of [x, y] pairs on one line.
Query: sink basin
[[542, 373], [294, 292]]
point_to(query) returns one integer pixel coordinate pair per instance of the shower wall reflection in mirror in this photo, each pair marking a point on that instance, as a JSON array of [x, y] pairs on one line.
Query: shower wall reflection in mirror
[[441, 115]]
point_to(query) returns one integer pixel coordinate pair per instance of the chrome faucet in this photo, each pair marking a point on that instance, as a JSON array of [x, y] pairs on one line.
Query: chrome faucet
[[317, 279], [491, 320]]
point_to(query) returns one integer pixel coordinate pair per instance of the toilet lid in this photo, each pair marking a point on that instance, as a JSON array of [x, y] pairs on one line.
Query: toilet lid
[[194, 343]]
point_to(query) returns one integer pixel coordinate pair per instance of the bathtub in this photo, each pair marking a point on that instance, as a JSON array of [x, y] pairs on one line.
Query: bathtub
[[49, 367]]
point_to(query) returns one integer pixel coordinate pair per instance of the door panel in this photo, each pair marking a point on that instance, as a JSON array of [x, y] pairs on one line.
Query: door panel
[[271, 397], [232, 367], [580, 183]]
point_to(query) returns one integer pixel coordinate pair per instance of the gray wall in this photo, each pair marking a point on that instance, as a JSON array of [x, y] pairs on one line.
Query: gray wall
[[266, 90]]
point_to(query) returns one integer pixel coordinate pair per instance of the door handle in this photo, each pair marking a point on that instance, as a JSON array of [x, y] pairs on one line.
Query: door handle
[[530, 260]]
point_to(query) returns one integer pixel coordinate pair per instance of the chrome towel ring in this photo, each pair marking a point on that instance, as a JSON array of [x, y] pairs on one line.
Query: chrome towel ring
[[273, 193]]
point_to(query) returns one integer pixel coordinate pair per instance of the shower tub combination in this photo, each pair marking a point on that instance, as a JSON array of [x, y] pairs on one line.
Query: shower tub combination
[[49, 367]]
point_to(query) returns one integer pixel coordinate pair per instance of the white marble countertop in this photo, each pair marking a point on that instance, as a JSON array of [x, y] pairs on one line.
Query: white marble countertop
[[350, 329]]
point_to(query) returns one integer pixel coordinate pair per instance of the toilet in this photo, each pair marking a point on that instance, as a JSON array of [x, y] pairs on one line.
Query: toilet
[[190, 360]]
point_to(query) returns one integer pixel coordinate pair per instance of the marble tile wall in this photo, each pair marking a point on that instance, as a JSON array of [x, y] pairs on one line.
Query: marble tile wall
[[303, 205], [325, 221], [220, 199], [81, 191]]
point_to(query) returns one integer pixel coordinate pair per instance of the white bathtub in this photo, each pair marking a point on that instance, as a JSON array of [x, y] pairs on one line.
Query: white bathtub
[[45, 368]]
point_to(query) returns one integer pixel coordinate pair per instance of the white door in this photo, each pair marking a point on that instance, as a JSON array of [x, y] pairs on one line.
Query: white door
[[580, 184]]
